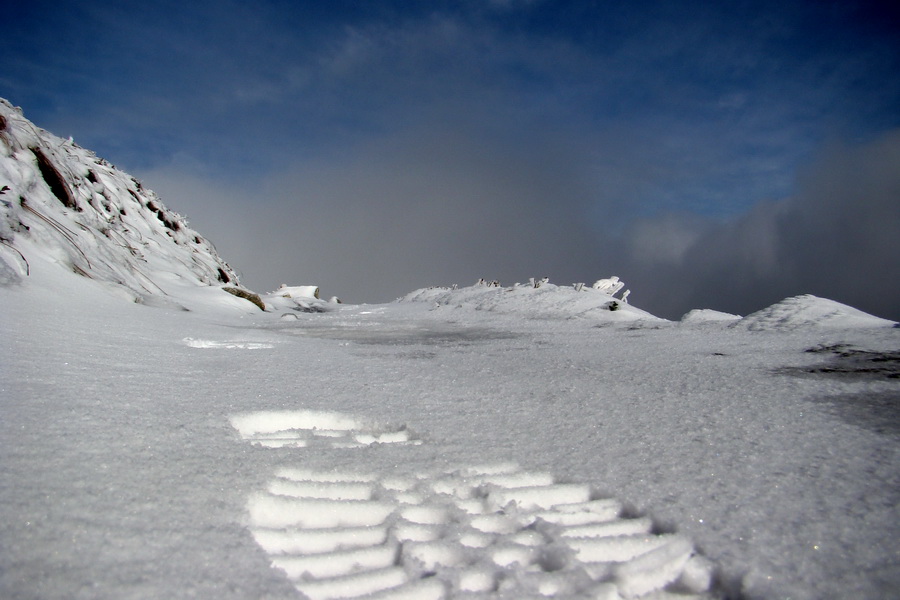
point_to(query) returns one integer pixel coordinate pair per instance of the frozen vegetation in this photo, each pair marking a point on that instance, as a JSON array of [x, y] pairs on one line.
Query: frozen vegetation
[[162, 438]]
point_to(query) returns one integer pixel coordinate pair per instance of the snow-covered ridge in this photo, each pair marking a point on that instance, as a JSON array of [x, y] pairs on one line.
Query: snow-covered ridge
[[597, 304], [63, 204], [541, 300]]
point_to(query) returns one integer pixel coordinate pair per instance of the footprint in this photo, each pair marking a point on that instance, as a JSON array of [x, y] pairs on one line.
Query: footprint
[[309, 428], [478, 532], [490, 531]]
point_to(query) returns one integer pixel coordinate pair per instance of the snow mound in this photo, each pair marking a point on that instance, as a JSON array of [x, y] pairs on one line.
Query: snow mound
[[706, 315], [535, 301], [807, 311], [61, 204]]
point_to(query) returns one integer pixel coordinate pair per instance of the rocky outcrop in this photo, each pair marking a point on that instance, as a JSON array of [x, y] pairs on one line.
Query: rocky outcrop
[[87, 216]]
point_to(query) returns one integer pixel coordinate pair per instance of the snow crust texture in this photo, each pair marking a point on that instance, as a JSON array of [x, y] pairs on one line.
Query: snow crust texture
[[62, 201], [490, 531]]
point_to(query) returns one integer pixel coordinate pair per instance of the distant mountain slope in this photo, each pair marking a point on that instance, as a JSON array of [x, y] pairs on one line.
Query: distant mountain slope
[[63, 204]]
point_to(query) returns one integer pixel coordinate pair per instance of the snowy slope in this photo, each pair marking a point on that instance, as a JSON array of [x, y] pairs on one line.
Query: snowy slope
[[80, 212]]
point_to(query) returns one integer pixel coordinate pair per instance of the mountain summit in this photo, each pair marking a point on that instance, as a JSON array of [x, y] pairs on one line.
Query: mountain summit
[[63, 204]]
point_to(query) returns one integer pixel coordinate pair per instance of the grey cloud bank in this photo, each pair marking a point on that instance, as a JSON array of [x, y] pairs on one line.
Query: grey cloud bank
[[449, 209]]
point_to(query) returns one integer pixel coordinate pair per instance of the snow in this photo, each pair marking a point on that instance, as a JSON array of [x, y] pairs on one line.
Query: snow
[[810, 311], [138, 462], [479, 442]]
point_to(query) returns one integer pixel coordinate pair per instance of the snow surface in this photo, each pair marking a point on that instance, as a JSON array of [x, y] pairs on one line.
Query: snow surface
[[482, 442], [140, 463]]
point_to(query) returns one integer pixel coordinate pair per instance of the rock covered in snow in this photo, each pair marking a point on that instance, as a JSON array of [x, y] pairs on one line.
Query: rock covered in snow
[[63, 204], [810, 311], [298, 291], [299, 298], [609, 286]]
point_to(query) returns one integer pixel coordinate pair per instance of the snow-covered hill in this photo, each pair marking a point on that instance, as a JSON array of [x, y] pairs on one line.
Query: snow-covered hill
[[809, 311], [62, 204], [549, 301]]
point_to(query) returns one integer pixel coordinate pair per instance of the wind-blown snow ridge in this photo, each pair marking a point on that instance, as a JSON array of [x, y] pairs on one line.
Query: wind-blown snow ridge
[[74, 209]]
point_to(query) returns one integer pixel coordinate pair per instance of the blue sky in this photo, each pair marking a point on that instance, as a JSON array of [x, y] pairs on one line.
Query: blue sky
[[376, 147]]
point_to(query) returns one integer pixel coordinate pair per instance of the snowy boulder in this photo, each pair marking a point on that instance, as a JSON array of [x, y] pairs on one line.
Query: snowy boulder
[[299, 298], [298, 291], [808, 311]]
